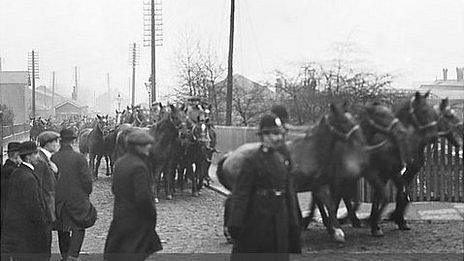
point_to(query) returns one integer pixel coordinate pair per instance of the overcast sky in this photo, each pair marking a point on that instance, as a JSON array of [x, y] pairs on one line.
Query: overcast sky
[[414, 39]]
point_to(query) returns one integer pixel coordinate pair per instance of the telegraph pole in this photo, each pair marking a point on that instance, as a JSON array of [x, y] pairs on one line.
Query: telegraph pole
[[230, 81], [109, 90], [53, 93], [153, 36], [33, 66], [134, 62]]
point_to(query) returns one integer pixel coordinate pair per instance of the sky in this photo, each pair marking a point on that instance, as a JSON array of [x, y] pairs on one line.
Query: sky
[[413, 39]]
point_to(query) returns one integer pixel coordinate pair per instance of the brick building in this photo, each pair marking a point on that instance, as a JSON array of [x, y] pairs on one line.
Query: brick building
[[13, 85]]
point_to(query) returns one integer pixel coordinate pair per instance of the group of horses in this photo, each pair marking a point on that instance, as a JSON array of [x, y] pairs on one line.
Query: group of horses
[[39, 125], [379, 144], [183, 145]]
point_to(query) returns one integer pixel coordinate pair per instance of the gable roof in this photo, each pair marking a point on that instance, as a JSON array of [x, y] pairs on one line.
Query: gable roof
[[17, 77], [244, 83], [68, 102]]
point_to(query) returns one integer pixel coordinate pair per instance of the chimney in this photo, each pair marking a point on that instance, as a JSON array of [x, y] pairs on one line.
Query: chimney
[[445, 74], [459, 73]]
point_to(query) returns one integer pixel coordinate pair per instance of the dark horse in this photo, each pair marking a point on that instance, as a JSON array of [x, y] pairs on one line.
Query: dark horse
[[96, 144], [383, 132], [313, 162], [448, 126], [37, 127], [165, 132], [387, 162]]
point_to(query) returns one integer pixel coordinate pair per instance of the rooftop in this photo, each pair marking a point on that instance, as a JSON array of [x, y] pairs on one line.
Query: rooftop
[[14, 77]]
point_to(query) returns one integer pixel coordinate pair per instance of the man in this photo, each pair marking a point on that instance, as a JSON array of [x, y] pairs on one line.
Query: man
[[10, 165], [264, 207], [74, 211], [47, 172], [25, 227], [132, 234]]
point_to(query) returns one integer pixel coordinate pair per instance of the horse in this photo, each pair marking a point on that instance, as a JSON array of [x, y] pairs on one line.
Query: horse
[[96, 143], [165, 133], [383, 132], [83, 139], [313, 164], [447, 125], [37, 127]]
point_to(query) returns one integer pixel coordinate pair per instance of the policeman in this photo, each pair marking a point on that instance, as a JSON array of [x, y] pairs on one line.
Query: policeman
[[263, 206]]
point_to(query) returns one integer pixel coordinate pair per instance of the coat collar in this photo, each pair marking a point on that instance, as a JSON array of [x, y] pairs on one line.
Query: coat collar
[[47, 153], [66, 147], [28, 165]]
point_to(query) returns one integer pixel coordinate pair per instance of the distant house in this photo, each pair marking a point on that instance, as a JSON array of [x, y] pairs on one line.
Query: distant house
[[451, 88], [13, 86], [69, 109]]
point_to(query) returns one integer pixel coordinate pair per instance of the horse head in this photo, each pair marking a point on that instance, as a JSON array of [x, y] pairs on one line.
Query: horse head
[[101, 122], [417, 113], [379, 124], [449, 124]]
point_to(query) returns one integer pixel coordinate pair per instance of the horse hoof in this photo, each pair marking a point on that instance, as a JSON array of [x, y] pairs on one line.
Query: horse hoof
[[403, 226], [377, 232], [338, 235], [156, 200], [169, 197]]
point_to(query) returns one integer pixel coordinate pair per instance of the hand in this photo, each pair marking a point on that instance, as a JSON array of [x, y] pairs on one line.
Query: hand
[[235, 232]]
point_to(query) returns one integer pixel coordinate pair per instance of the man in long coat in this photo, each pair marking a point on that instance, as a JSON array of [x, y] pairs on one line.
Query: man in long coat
[[263, 206], [74, 211], [132, 234], [47, 172], [12, 163], [24, 235]]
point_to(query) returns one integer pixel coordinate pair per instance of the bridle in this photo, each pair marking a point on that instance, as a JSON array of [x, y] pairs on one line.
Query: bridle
[[385, 130], [345, 136], [416, 121]]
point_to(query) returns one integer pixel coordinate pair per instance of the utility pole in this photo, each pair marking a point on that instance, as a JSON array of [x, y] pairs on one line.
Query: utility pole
[[33, 68], [109, 90], [153, 36], [53, 93], [134, 61], [75, 93], [230, 85]]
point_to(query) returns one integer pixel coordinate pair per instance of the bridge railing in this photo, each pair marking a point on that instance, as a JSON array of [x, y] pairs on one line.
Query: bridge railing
[[441, 178]]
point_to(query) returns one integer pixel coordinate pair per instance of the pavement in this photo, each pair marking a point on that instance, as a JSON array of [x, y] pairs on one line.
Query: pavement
[[430, 210]]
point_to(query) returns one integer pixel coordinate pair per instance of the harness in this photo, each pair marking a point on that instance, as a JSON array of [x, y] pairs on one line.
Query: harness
[[416, 121]]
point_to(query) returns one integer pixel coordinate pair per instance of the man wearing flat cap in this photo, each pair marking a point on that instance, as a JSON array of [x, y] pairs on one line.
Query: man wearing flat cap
[[74, 210], [132, 234], [263, 215], [10, 165], [47, 171], [25, 225]]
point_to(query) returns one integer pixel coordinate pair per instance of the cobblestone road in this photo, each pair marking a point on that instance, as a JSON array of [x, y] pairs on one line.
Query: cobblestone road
[[189, 224]]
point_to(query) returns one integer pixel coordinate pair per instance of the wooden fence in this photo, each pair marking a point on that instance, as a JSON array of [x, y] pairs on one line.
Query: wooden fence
[[441, 179]]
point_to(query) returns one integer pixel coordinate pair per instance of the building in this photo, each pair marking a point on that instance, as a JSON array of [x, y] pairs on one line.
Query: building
[[12, 93], [453, 89], [107, 103], [69, 109]]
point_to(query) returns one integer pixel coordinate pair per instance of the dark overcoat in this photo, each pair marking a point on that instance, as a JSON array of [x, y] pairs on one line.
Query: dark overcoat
[[7, 169], [73, 188], [269, 223], [25, 228], [132, 230], [47, 178]]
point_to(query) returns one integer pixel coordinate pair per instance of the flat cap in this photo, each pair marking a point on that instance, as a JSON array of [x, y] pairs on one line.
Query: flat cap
[[14, 146], [47, 136], [67, 134], [27, 147], [139, 137]]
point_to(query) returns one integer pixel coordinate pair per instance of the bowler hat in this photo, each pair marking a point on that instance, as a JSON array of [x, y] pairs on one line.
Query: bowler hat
[[139, 137], [67, 134], [27, 147], [270, 123], [13, 146], [47, 136]]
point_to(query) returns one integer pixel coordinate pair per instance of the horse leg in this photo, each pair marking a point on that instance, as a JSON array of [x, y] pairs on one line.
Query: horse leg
[[169, 181], [107, 160], [156, 180], [402, 197], [195, 181], [226, 219], [97, 165], [92, 164], [334, 227], [379, 203]]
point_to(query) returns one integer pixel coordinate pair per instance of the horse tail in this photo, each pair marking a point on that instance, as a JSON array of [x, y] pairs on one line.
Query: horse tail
[[220, 173]]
